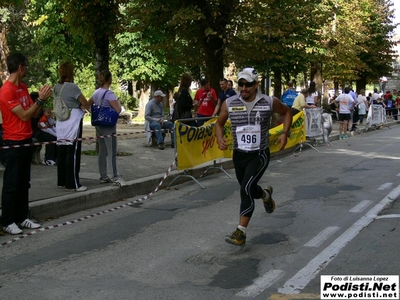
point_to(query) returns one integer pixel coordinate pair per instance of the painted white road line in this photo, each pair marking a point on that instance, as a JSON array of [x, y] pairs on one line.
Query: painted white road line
[[360, 206], [385, 186], [300, 280], [321, 237], [261, 283], [388, 216]]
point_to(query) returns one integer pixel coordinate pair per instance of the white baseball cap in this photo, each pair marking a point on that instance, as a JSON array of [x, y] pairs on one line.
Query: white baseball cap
[[248, 74], [159, 93]]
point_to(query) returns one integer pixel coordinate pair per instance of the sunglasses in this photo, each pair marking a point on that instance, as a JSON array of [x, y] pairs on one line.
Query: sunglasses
[[246, 84]]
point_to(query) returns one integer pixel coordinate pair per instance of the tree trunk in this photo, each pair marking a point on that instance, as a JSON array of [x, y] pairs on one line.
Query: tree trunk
[[361, 83], [4, 51], [316, 76], [102, 56], [143, 100], [214, 60], [277, 83], [336, 87], [130, 88]]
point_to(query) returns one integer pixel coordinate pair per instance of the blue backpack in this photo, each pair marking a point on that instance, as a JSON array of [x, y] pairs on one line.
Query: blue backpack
[[288, 97]]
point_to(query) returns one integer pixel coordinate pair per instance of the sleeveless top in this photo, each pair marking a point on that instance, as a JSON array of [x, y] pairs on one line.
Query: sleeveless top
[[250, 122]]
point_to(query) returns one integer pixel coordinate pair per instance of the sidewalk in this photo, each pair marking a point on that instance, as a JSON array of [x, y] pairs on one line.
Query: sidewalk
[[142, 170], [140, 165]]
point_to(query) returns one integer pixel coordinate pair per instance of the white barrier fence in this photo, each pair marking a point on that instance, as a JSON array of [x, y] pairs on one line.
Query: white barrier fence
[[313, 122], [376, 116]]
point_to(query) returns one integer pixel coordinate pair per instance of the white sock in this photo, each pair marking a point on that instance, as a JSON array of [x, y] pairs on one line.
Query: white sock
[[264, 196], [242, 228]]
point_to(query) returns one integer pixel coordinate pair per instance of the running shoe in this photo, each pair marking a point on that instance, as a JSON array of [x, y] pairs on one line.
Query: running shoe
[[269, 204], [237, 238]]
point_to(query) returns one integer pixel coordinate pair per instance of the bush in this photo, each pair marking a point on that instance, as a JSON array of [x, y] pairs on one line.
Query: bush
[[128, 101]]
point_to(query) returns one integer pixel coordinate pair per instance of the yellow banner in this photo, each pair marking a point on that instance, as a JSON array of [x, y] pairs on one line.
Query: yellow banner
[[297, 133], [198, 145]]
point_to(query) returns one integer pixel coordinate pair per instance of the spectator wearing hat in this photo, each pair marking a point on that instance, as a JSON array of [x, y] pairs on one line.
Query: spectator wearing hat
[[154, 115]]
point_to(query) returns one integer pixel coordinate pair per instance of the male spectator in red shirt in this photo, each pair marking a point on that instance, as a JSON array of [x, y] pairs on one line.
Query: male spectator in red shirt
[[17, 109], [205, 101]]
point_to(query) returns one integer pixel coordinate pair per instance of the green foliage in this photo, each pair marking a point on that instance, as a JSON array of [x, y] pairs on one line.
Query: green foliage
[[129, 102], [153, 42], [57, 41]]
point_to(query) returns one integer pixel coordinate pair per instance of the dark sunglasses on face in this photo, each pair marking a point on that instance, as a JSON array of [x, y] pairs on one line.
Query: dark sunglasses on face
[[246, 84]]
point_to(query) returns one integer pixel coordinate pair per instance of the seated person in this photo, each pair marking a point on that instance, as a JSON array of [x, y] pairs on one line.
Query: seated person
[[47, 123], [126, 115], [154, 115], [51, 149]]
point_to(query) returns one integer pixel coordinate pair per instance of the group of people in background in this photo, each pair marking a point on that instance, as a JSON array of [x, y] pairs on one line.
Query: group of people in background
[[24, 117], [193, 112], [349, 107], [206, 103]]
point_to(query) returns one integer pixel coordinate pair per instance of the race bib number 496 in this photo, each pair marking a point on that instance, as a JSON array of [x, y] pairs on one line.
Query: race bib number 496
[[248, 137]]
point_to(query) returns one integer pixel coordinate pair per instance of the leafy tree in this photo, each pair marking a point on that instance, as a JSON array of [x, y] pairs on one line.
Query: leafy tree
[[193, 33], [377, 54], [154, 42], [54, 42], [17, 36]]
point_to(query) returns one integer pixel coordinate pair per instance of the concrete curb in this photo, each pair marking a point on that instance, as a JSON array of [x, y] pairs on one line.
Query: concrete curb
[[78, 201]]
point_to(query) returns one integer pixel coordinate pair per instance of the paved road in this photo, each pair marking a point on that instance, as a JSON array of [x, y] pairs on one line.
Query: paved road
[[337, 213]]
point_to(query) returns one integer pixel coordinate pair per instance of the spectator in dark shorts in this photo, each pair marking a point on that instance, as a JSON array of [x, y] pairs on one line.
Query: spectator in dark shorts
[[346, 103]]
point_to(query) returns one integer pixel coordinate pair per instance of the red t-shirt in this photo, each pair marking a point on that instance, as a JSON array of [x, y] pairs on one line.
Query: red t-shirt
[[13, 127], [398, 101], [206, 105]]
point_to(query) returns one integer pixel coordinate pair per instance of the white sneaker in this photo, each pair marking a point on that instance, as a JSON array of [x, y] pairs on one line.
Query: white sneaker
[[50, 162], [82, 188], [29, 224], [12, 229], [105, 180], [119, 181]]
